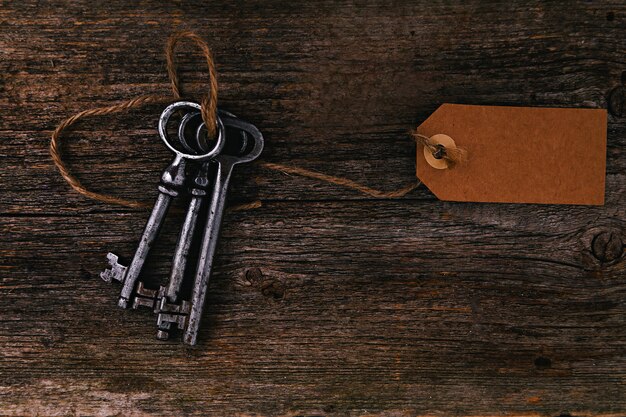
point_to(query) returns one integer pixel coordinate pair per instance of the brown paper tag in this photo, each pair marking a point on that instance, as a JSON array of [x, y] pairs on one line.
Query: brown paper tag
[[519, 154]]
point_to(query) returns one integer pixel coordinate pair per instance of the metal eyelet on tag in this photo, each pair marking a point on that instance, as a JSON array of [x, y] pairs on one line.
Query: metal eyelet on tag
[[443, 140]]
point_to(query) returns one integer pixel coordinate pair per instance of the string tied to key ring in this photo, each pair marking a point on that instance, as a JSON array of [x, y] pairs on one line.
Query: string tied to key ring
[[209, 113]]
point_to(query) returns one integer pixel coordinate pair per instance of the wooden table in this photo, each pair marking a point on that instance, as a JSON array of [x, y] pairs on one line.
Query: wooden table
[[324, 301]]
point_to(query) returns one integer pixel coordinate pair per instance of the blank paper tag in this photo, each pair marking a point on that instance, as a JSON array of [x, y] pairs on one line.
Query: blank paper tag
[[519, 154]]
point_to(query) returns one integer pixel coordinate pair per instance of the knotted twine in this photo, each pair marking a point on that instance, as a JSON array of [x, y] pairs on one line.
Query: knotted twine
[[209, 114]]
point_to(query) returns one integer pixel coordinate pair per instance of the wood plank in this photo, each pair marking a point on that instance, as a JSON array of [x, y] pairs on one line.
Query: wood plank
[[369, 312]]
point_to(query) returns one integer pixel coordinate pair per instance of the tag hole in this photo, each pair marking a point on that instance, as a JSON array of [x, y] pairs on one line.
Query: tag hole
[[440, 152]]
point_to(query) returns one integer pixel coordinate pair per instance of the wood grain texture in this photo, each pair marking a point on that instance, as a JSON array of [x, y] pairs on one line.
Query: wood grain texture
[[323, 302]]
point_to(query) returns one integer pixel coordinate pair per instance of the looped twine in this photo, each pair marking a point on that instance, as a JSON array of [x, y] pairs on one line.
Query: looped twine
[[209, 115], [55, 153], [208, 111], [208, 103], [452, 156]]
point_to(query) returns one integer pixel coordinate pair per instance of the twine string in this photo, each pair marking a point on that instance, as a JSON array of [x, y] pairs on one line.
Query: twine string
[[209, 114], [209, 101], [452, 156], [344, 182], [55, 152]]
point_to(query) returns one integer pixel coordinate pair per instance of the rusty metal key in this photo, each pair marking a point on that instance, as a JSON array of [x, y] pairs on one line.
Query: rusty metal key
[[169, 311], [172, 181], [234, 153]]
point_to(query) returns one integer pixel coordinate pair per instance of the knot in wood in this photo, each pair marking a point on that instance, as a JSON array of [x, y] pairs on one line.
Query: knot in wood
[[607, 246], [616, 100]]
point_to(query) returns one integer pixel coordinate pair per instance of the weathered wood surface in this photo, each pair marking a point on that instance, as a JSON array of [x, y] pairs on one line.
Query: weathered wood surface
[[324, 302]]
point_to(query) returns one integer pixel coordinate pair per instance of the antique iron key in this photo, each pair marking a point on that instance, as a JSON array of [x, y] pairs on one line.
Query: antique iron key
[[225, 163], [172, 182]]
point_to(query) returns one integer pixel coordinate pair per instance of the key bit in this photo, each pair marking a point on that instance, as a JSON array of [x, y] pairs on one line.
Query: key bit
[[145, 297], [116, 272], [171, 314]]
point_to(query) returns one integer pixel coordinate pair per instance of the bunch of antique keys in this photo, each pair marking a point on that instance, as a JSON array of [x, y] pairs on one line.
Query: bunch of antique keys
[[212, 162]]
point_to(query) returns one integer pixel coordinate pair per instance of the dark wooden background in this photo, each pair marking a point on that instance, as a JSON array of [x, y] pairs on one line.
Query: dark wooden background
[[324, 302]]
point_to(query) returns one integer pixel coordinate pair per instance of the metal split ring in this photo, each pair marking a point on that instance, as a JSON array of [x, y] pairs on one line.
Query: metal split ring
[[162, 128]]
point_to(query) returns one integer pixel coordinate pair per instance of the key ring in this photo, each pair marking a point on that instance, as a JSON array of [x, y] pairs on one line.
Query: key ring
[[162, 128], [181, 132], [201, 145], [245, 128]]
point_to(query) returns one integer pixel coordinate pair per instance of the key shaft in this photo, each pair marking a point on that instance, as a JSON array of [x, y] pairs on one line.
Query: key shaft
[[207, 249]]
